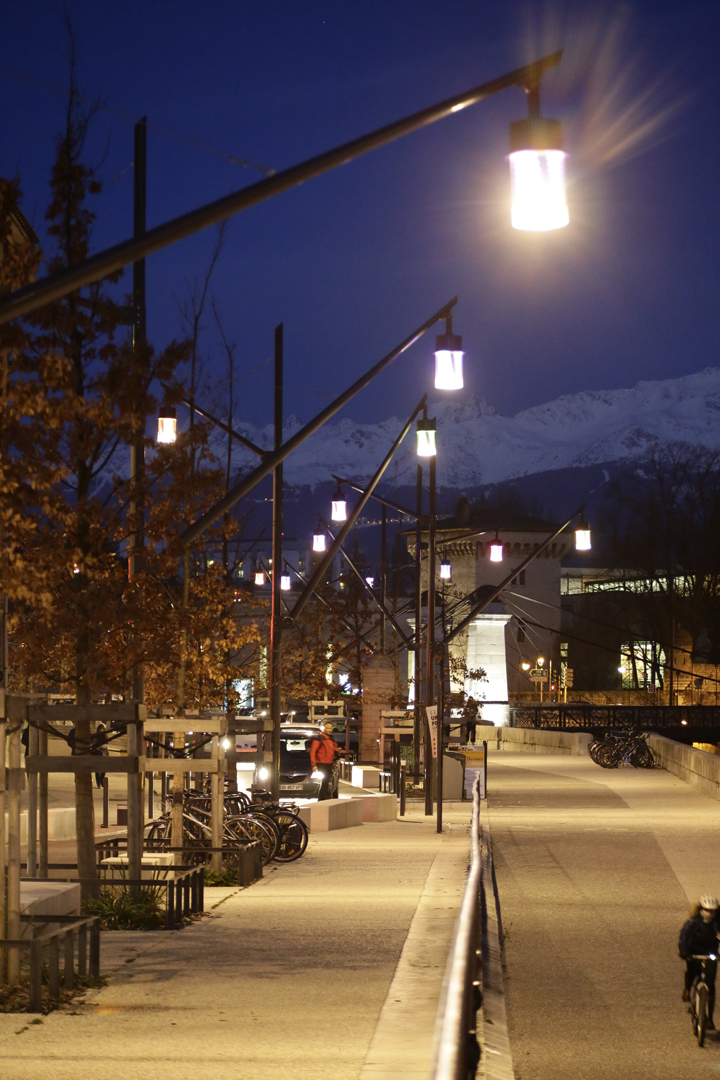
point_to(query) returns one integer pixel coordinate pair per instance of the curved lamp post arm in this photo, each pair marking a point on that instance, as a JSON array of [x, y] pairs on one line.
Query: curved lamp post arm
[[274, 458], [322, 567], [31, 297]]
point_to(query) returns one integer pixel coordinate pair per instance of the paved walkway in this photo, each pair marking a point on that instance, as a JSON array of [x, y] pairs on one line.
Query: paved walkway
[[295, 977], [596, 871]]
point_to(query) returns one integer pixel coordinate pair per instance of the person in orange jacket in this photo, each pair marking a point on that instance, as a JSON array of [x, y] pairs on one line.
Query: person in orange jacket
[[323, 750]]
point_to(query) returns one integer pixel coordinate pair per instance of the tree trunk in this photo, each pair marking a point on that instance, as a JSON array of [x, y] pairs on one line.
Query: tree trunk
[[84, 808]]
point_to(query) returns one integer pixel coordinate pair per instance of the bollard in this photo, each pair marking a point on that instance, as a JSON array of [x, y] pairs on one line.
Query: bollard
[[106, 803]]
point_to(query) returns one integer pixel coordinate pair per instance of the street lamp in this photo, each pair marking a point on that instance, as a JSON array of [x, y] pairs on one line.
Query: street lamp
[[537, 171], [496, 549], [167, 425], [319, 540], [285, 581], [446, 571], [426, 438], [448, 359], [259, 577], [582, 535], [339, 507]]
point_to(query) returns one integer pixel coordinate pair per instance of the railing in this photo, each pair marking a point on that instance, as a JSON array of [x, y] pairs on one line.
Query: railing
[[59, 941], [457, 1048], [578, 716]]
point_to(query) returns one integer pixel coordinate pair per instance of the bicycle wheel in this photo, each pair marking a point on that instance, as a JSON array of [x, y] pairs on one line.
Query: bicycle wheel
[[641, 757], [608, 756], [266, 820], [293, 836], [158, 835], [245, 828], [701, 1012]]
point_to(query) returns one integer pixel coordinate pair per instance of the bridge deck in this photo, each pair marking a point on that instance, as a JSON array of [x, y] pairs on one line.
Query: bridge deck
[[596, 870]]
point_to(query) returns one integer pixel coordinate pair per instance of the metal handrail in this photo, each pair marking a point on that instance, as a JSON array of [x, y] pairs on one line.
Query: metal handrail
[[455, 1031]]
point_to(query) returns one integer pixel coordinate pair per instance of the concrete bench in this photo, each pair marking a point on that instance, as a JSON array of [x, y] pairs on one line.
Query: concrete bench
[[332, 814], [365, 776]]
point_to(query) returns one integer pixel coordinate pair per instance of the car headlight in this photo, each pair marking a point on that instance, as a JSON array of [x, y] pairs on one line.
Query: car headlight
[[263, 773], [317, 775]]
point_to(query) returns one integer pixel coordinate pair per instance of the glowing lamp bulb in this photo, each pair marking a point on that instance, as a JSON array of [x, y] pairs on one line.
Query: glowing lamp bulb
[[426, 439], [319, 542], [582, 537], [284, 582], [525, 666], [496, 549], [448, 362], [167, 426], [446, 571], [370, 581], [259, 577], [537, 176], [339, 506]]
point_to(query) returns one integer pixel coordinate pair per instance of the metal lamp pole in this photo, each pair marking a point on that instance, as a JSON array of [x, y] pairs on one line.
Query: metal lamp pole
[[277, 547]]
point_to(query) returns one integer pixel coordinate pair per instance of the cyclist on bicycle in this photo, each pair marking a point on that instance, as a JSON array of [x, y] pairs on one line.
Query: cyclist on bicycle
[[699, 936]]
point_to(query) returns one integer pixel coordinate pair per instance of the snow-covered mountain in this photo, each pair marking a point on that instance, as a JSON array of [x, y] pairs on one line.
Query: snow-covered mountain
[[478, 446]]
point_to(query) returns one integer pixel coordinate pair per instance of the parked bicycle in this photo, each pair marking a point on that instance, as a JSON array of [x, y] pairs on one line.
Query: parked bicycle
[[628, 747], [280, 830]]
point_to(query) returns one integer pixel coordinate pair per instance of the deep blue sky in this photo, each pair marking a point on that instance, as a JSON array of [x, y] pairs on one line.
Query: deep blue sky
[[352, 261]]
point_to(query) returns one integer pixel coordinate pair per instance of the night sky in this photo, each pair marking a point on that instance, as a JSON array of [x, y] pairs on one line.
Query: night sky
[[354, 260]]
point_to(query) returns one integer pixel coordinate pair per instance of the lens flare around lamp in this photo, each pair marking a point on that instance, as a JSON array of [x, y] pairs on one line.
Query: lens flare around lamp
[[426, 439], [537, 175], [496, 549], [167, 425]]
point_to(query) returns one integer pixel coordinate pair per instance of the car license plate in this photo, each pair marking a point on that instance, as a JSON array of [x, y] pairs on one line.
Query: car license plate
[[291, 787]]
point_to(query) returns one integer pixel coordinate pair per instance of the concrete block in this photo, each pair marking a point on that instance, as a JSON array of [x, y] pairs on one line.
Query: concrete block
[[48, 898], [379, 807], [332, 814], [365, 776]]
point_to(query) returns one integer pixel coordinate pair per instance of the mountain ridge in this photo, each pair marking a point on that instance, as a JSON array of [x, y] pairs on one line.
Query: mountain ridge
[[476, 445]]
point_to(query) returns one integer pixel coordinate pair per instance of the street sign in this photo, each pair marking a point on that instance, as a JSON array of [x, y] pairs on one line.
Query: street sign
[[569, 676], [539, 674], [431, 713]]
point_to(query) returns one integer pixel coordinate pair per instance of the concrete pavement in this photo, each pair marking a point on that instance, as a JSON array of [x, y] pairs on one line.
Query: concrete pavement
[[296, 976], [596, 871]]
